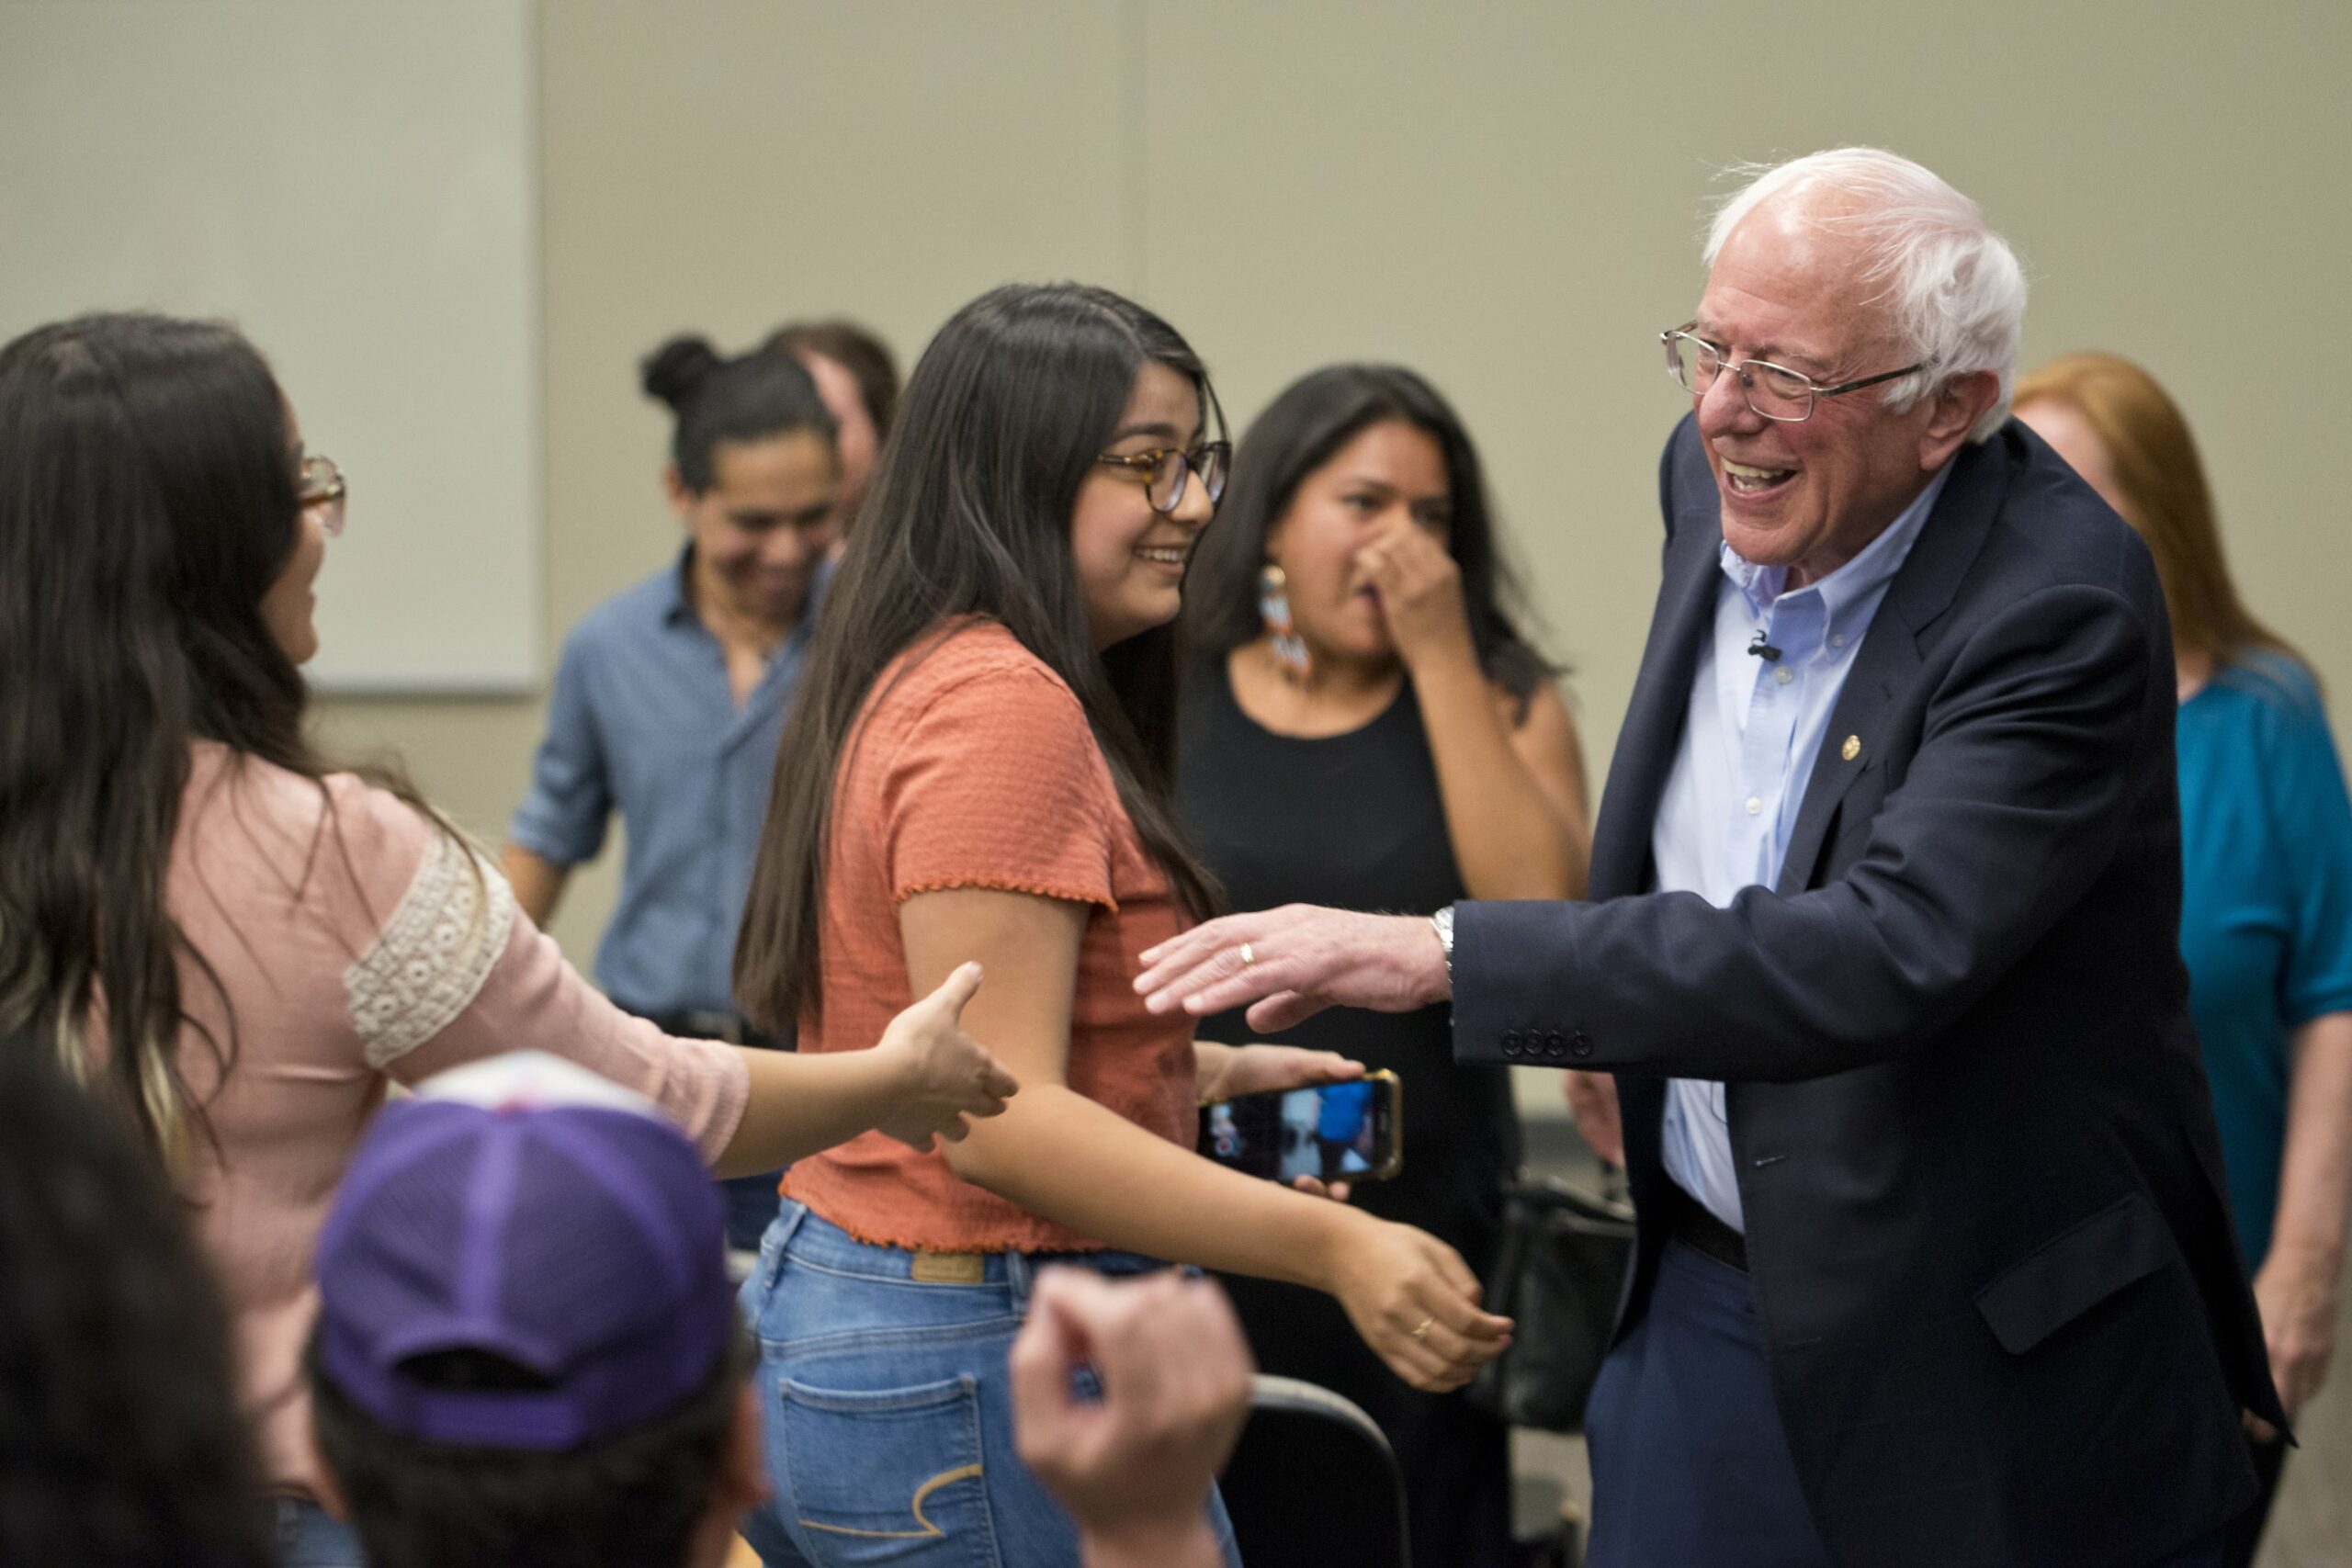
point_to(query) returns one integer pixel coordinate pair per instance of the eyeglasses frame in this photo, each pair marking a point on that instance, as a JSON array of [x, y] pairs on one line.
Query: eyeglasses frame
[[322, 484], [1194, 461], [1745, 370]]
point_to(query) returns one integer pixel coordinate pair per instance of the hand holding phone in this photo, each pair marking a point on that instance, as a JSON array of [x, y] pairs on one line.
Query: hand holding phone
[[1228, 1072]]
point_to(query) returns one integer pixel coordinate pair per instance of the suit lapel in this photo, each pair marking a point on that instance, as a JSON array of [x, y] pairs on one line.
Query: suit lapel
[[1890, 657]]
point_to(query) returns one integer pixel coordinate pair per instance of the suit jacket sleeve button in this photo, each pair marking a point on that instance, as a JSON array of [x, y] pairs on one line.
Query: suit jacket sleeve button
[[1581, 1047]]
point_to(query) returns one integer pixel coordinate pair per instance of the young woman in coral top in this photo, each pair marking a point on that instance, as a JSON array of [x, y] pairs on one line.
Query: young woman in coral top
[[980, 768]]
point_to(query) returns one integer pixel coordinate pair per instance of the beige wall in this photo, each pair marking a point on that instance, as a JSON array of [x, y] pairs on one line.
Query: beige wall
[[1505, 196]]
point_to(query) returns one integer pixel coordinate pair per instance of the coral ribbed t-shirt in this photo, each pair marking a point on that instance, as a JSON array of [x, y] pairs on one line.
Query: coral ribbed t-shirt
[[972, 765]]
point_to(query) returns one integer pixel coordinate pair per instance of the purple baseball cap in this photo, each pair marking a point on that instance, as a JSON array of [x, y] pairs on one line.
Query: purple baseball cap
[[527, 1209]]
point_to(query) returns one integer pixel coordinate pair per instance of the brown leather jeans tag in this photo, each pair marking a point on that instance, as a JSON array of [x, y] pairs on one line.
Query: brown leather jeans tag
[[949, 1269]]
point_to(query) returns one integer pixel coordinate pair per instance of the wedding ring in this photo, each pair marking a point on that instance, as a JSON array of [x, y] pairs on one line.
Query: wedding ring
[[1423, 1329], [1249, 955]]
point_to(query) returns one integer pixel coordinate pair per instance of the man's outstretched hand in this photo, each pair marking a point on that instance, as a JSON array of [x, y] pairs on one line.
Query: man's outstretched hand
[[1292, 962]]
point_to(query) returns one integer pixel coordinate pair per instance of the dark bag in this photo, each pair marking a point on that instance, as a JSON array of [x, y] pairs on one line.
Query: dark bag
[[1562, 1268]]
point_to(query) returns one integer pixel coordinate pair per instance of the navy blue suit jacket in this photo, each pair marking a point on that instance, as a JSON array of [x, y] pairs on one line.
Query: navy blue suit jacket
[[2006, 1315]]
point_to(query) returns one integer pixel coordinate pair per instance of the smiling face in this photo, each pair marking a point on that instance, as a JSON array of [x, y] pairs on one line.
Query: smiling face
[[1811, 495], [762, 527], [1130, 559], [1387, 474]]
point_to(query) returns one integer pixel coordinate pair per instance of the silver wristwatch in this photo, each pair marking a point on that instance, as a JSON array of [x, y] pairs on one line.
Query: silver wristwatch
[[1443, 923]]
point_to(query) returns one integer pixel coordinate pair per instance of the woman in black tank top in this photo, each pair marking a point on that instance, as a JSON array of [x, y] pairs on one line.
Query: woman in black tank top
[[1364, 728]]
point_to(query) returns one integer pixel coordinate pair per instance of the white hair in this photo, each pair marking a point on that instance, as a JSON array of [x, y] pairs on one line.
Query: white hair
[[1953, 286]]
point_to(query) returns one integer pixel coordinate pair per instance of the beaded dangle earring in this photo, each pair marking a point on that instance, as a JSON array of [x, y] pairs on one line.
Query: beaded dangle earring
[[1273, 604]]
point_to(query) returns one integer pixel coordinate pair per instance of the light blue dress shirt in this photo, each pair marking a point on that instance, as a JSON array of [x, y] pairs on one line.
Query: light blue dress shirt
[[1731, 801], [643, 721]]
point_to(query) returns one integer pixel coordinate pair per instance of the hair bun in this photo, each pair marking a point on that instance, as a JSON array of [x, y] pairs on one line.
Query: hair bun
[[678, 367]]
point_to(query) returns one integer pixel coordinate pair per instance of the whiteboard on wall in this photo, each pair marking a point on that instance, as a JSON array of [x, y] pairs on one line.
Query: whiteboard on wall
[[351, 182]]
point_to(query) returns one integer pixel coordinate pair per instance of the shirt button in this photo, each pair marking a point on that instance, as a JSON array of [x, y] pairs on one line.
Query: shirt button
[[1838, 641], [1785, 674], [1754, 805]]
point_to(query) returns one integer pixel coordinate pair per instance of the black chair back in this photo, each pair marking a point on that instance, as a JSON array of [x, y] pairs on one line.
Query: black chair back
[[1313, 1484]]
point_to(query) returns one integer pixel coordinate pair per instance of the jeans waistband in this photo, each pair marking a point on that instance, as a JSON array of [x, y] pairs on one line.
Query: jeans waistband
[[810, 1237]]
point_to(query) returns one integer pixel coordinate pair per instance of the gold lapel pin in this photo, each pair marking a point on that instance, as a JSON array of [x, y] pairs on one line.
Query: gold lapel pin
[[1852, 749]]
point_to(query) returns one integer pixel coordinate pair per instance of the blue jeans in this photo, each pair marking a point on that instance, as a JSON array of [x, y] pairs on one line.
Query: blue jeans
[[887, 1409]]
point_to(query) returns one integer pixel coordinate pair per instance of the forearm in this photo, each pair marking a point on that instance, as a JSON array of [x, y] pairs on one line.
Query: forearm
[[1510, 840], [537, 880], [800, 1104], [2033, 764], [2316, 1172], [1061, 1156]]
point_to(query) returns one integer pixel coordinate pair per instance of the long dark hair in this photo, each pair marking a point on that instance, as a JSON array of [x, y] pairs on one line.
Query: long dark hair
[[1299, 432], [147, 504], [749, 398], [123, 1444], [969, 515]]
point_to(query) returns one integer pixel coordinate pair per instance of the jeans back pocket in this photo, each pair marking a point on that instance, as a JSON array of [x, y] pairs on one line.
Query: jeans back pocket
[[886, 1475]]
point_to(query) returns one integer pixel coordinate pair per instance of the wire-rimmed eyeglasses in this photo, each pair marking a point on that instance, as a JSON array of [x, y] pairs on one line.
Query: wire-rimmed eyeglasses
[[1165, 470], [1773, 390]]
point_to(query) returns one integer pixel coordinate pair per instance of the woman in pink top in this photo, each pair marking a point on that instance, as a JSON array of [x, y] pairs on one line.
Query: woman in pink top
[[238, 947]]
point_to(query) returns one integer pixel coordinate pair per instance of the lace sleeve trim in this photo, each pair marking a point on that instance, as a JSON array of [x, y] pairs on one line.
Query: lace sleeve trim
[[435, 953]]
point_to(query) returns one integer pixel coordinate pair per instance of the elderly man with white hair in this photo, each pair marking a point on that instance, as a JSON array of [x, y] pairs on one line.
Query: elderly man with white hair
[[1934, 1264]]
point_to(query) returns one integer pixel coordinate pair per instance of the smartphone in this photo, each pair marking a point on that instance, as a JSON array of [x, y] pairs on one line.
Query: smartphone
[[1340, 1132]]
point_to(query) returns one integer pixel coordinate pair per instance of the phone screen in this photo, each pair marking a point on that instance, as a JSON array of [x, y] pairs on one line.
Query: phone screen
[[1342, 1132]]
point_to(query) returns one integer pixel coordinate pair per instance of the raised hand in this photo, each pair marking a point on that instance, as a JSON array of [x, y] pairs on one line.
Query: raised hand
[[1134, 1469], [1419, 590], [941, 1073]]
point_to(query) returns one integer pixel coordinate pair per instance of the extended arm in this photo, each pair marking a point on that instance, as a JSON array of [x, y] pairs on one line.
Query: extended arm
[[2022, 786], [1060, 1154], [2021, 789]]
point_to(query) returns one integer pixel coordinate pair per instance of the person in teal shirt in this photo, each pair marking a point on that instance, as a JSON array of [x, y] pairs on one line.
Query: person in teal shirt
[[2266, 846]]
